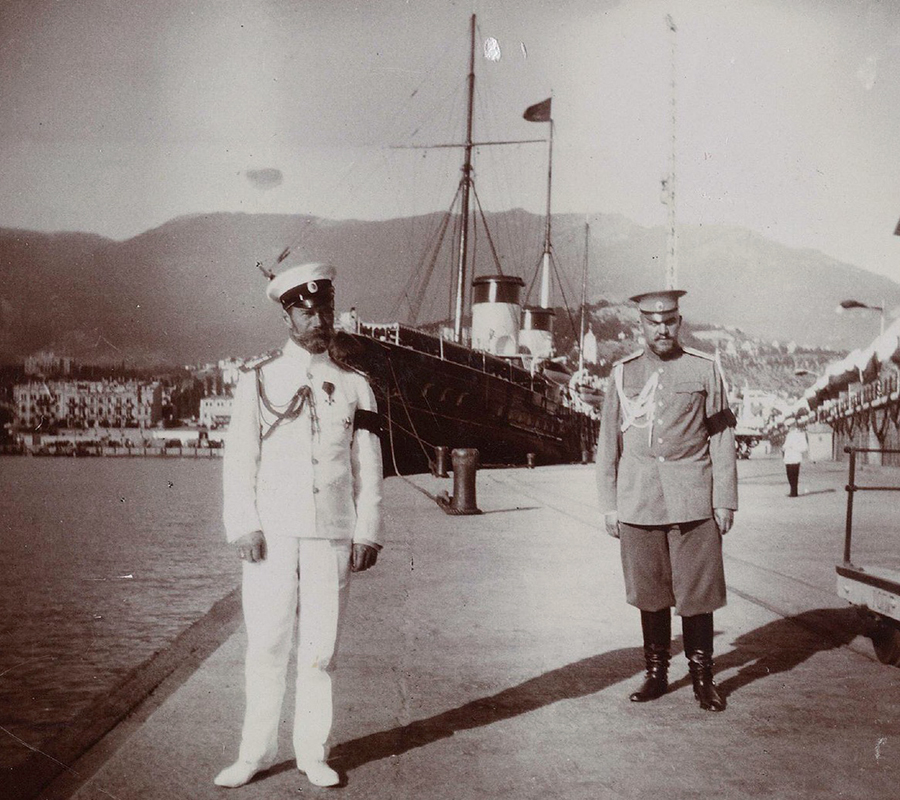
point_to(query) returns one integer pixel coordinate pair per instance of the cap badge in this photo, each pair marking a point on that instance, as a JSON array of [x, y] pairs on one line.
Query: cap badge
[[312, 287], [659, 305]]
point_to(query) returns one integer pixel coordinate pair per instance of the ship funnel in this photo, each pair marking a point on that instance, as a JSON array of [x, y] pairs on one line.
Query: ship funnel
[[496, 312], [536, 336]]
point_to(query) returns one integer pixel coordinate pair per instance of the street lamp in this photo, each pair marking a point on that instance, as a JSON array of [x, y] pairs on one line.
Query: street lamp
[[846, 304]]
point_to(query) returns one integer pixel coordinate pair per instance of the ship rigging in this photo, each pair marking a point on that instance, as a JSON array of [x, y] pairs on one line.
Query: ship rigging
[[487, 387]]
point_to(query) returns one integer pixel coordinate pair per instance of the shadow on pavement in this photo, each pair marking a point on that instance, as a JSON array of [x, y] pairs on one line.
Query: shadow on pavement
[[773, 648], [579, 679], [784, 644], [508, 510]]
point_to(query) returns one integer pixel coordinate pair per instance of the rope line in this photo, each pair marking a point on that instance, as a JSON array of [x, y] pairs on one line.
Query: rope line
[[414, 433]]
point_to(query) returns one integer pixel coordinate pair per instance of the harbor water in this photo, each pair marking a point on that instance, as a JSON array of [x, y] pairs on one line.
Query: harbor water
[[104, 563]]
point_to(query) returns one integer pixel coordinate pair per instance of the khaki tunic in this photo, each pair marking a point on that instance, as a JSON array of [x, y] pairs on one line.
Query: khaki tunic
[[674, 462], [678, 462]]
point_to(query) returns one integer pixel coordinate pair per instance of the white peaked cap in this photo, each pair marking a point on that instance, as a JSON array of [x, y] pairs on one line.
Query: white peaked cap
[[304, 280]]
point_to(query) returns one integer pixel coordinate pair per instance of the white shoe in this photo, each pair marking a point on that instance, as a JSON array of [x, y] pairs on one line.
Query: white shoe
[[239, 773], [320, 774]]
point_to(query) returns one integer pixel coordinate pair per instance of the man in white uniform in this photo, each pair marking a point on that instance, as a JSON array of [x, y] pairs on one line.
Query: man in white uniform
[[302, 493]]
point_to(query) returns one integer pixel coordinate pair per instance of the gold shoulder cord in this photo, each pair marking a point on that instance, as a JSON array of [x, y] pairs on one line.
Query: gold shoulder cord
[[292, 410], [641, 407]]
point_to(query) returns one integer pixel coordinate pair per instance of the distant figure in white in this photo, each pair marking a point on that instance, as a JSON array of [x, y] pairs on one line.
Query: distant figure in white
[[795, 445], [302, 508]]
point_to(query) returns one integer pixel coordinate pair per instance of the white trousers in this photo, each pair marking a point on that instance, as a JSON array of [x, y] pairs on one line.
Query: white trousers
[[314, 574]]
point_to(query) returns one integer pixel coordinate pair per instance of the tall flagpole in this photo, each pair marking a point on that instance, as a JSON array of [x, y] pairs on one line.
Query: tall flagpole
[[668, 184]]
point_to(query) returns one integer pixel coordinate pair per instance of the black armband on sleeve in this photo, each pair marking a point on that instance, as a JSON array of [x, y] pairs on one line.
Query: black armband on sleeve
[[721, 420], [367, 421]]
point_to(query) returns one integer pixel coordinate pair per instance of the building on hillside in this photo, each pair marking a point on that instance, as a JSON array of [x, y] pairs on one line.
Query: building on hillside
[[217, 378], [48, 364], [215, 411], [230, 369], [721, 340], [87, 404]]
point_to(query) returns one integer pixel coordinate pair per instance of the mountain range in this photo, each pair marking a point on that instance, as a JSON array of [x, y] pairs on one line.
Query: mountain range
[[189, 291]]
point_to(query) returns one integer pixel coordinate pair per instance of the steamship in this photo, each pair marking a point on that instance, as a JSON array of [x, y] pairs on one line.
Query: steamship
[[492, 386]]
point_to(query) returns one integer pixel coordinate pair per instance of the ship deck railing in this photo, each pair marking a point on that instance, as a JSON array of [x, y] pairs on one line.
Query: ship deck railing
[[497, 366]]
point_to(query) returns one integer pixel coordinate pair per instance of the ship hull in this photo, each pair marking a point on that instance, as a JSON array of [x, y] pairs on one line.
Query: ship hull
[[435, 394]]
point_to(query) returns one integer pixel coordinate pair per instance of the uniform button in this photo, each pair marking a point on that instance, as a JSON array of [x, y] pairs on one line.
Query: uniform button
[[315, 489], [309, 375], [659, 439], [661, 458], [315, 461]]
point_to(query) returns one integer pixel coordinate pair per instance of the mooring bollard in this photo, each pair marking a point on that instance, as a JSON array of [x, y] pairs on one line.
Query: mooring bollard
[[465, 468], [530, 460], [439, 467]]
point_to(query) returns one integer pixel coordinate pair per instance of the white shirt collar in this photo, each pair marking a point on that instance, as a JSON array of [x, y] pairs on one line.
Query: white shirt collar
[[301, 355]]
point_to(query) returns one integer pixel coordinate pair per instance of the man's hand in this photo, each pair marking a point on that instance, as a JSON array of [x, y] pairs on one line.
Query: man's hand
[[611, 518], [251, 547], [363, 557], [724, 519]]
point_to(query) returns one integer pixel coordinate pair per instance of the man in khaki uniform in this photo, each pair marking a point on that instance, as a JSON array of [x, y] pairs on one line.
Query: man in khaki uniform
[[667, 482], [302, 492]]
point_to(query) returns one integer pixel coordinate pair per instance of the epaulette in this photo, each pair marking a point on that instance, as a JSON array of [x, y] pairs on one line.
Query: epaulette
[[258, 361], [629, 357], [699, 353]]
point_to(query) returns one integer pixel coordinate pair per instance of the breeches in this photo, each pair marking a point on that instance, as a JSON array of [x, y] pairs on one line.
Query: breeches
[[674, 565], [302, 584]]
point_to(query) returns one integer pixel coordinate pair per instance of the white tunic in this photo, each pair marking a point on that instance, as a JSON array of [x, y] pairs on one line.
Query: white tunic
[[308, 477]]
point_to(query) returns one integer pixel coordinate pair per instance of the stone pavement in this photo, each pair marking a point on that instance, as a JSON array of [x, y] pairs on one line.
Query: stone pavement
[[492, 656]]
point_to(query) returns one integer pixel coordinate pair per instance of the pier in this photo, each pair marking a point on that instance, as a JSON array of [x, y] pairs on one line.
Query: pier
[[491, 656]]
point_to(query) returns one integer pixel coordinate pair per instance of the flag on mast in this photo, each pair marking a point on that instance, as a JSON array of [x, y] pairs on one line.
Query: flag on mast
[[539, 112]]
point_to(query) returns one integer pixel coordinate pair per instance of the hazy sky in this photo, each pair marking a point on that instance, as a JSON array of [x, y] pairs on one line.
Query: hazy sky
[[117, 116]]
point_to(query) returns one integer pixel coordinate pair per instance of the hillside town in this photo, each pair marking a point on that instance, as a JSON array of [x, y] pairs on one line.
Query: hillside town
[[50, 404]]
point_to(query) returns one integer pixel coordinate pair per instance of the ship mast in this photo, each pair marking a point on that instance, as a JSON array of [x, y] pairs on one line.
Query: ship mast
[[545, 260], [584, 271], [465, 185]]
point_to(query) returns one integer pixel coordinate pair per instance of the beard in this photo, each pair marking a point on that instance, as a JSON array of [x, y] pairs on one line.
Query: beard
[[315, 342], [664, 347]]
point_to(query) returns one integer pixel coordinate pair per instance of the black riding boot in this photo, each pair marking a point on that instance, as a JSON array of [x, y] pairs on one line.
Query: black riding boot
[[698, 647], [657, 630]]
